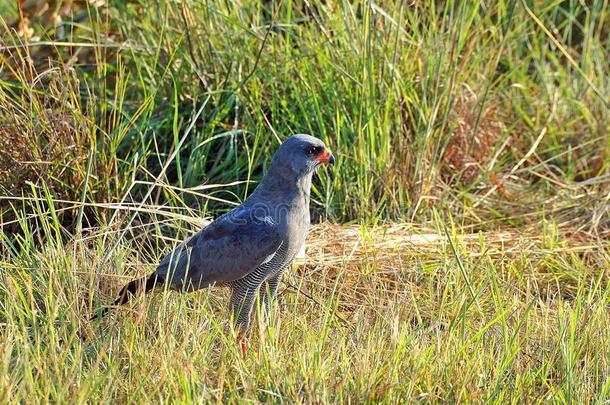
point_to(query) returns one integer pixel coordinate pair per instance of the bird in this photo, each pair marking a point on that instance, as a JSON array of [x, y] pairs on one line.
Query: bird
[[248, 248]]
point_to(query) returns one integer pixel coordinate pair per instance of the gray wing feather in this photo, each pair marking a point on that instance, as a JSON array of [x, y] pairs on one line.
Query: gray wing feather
[[226, 250]]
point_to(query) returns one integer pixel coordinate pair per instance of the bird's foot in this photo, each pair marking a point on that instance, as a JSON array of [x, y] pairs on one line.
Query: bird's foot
[[244, 349], [243, 345]]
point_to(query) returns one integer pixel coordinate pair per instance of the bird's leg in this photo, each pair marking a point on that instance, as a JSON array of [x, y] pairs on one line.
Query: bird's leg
[[243, 345], [269, 289], [242, 301]]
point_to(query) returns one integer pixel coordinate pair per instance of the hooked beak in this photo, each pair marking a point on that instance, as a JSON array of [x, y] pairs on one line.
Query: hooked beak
[[326, 157]]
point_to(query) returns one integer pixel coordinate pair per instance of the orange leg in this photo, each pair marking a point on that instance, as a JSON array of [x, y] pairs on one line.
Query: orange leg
[[243, 345], [244, 349]]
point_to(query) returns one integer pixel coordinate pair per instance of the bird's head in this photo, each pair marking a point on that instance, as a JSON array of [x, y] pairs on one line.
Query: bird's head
[[302, 154]]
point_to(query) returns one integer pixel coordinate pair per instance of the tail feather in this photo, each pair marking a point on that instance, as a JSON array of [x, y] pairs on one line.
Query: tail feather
[[132, 289]]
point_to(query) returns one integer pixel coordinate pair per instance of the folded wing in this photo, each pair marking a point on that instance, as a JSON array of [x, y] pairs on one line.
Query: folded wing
[[226, 250]]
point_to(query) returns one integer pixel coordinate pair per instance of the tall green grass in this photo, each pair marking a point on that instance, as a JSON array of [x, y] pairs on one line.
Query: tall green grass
[[395, 88]]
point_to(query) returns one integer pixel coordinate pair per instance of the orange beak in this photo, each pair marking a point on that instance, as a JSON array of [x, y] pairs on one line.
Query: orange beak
[[326, 157]]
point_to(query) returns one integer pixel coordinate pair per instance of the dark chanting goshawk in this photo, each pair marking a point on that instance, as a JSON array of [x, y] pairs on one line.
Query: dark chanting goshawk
[[249, 247]]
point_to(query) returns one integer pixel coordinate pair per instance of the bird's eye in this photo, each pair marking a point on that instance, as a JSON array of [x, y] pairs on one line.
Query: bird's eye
[[313, 150]]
